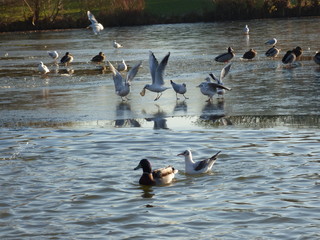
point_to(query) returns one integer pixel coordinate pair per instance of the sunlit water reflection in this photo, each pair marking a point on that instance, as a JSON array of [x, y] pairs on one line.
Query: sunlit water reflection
[[69, 144]]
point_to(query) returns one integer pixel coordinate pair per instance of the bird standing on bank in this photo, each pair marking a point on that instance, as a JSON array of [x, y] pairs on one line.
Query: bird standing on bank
[[203, 166], [157, 72]]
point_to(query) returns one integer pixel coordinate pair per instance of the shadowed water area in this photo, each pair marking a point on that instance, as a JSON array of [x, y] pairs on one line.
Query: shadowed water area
[[69, 144]]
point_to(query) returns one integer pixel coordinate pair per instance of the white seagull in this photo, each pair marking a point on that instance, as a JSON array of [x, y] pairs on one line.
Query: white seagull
[[157, 72], [246, 29], [96, 27], [272, 41], [43, 68], [179, 88], [122, 86], [53, 54], [223, 73], [122, 66], [203, 166], [116, 45]]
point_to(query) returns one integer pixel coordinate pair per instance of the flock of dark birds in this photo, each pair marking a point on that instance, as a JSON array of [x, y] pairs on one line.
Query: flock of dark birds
[[211, 86]]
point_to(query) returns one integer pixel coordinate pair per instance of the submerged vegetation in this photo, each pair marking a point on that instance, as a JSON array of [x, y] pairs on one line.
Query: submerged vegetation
[[58, 14]]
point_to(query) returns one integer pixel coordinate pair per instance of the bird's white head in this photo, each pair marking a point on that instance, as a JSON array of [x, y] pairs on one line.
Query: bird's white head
[[185, 153]]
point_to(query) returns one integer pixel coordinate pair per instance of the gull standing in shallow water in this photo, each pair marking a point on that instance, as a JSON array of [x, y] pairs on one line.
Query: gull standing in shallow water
[[122, 86], [96, 27], [122, 66], [53, 54], [116, 45], [272, 41], [179, 88], [223, 73], [160, 176], [43, 68], [246, 30], [157, 72], [203, 166]]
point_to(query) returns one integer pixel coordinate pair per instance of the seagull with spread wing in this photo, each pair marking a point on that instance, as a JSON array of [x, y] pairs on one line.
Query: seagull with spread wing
[[157, 72], [122, 85], [96, 27], [223, 73]]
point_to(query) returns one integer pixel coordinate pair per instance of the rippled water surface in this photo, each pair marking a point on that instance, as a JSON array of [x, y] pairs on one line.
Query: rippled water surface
[[69, 144]]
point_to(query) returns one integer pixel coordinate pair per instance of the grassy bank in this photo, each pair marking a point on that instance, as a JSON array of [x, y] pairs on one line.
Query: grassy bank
[[17, 15]]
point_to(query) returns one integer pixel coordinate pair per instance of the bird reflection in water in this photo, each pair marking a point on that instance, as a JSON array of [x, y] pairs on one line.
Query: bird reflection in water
[[123, 113], [147, 192], [159, 120], [215, 112], [181, 107]]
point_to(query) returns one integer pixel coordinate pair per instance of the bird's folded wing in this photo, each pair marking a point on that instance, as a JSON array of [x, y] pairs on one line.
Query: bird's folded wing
[[162, 172]]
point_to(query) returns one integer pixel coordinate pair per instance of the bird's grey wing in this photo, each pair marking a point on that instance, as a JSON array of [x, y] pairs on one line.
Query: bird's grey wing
[[153, 65], [225, 71], [133, 72], [91, 17], [204, 163], [160, 70], [214, 78], [117, 78], [216, 85]]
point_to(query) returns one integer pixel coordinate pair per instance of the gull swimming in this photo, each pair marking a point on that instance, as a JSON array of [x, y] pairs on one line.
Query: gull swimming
[[249, 54], [179, 88], [67, 58], [246, 29], [53, 54], [122, 85], [224, 72], [203, 166], [99, 58], [157, 72], [162, 176], [122, 66], [96, 27], [225, 57], [272, 52], [43, 68], [116, 45], [272, 41], [316, 58]]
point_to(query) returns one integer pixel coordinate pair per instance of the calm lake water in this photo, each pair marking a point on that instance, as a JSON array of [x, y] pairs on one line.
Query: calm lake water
[[69, 144]]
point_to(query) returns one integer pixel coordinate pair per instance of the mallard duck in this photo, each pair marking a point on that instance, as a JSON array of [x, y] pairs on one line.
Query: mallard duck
[[160, 176], [289, 57], [99, 58], [272, 52], [297, 51], [179, 88], [316, 58], [96, 27], [67, 58], [250, 54], [157, 73], [203, 166], [225, 57], [43, 68]]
